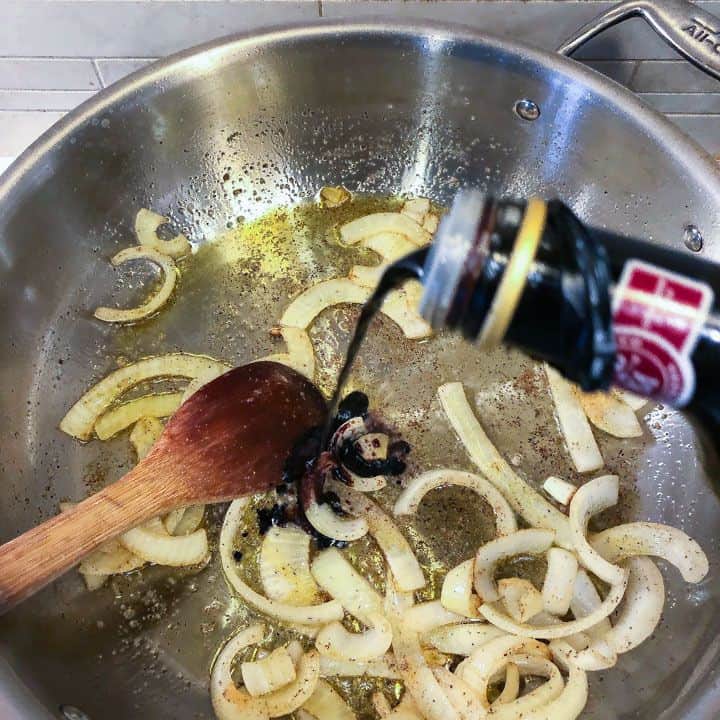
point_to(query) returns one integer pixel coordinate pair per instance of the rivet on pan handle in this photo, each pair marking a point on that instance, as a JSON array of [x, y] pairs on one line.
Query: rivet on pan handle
[[687, 28]]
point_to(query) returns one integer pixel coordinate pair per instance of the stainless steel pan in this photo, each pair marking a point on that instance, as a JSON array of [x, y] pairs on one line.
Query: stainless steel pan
[[231, 129]]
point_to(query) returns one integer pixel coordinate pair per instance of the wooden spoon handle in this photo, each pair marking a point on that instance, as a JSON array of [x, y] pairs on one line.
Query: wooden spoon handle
[[39, 556]]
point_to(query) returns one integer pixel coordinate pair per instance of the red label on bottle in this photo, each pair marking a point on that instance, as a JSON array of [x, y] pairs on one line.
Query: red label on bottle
[[657, 316]]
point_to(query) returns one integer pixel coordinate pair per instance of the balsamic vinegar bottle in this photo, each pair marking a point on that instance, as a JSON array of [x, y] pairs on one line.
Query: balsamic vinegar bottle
[[602, 308]]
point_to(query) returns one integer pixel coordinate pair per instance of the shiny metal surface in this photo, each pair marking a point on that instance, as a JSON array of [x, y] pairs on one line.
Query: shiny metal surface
[[687, 28], [382, 109]]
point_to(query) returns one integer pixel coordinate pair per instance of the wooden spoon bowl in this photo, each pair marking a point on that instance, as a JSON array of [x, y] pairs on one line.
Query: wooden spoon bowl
[[231, 438]]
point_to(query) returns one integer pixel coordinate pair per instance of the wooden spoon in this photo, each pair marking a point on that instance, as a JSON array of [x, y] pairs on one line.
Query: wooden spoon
[[231, 438]]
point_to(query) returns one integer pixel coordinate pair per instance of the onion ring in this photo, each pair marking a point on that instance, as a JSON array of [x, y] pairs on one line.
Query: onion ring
[[557, 591], [336, 642], [610, 414], [457, 591], [268, 674], [365, 227], [461, 638], [122, 416], [520, 597], [147, 223], [326, 703]]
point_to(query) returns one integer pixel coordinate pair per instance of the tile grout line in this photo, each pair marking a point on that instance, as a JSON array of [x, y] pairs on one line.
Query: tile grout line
[[97, 72]]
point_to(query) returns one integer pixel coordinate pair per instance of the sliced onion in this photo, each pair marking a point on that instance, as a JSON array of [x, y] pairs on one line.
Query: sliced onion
[[634, 401], [559, 489], [336, 642], [195, 384], [390, 246], [384, 667], [557, 591], [147, 223], [574, 424], [645, 538], [551, 632], [82, 416], [192, 517], [392, 542], [290, 697], [172, 520], [461, 638], [457, 591], [610, 414], [110, 558], [431, 700], [367, 276], [365, 227], [532, 541], [122, 416], [413, 494], [425, 617], [520, 597], [571, 701], [327, 704], [302, 614], [349, 431], [406, 709], [417, 209], [332, 197], [401, 306], [585, 601], [431, 223], [152, 543], [381, 704], [300, 355], [539, 697], [599, 655], [528, 503], [304, 308], [363, 484], [145, 434], [156, 300], [641, 608], [327, 522], [478, 668], [459, 693], [268, 674], [511, 686], [285, 566], [334, 573], [590, 499], [230, 702]]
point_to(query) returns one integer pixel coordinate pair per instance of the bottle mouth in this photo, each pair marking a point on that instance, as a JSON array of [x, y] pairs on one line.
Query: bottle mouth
[[445, 264]]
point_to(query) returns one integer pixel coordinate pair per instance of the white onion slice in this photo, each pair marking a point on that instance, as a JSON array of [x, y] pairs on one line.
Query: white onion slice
[[302, 614], [334, 573], [230, 702], [310, 303], [172, 520], [380, 223], [121, 417], [636, 402], [300, 355], [557, 591], [586, 600], [110, 558], [145, 434], [332, 197], [431, 700], [326, 703], [413, 494], [526, 501], [381, 704], [459, 693], [461, 638], [156, 300], [663, 541], [327, 522], [364, 484], [574, 424], [431, 223], [611, 415], [268, 674], [290, 697], [559, 489], [511, 686], [571, 701], [392, 542], [641, 608], [599, 655], [590, 499], [401, 306], [389, 246], [384, 667], [335, 641], [532, 541], [457, 590], [82, 416], [521, 598], [417, 209], [196, 383], [147, 223], [284, 566], [551, 632], [367, 276], [192, 517], [478, 668], [152, 543], [424, 617]]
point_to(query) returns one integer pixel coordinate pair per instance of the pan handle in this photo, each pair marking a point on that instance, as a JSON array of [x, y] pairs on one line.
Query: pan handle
[[687, 28]]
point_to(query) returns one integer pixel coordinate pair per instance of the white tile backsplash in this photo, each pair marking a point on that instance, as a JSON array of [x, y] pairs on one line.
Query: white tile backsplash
[[113, 69], [46, 73], [19, 128], [43, 99]]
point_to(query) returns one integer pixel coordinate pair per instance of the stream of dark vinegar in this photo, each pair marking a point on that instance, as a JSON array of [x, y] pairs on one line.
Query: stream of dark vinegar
[[409, 267]]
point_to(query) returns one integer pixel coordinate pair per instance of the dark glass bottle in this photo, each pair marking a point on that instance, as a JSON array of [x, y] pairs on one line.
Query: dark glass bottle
[[602, 308]]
